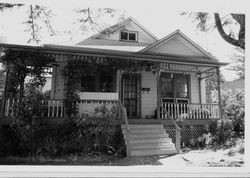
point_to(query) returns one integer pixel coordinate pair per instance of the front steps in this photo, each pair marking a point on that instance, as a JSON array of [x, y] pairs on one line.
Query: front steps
[[148, 140]]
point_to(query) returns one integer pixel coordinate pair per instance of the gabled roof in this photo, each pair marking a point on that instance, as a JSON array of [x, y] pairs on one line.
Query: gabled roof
[[104, 42], [81, 51], [171, 36], [117, 26]]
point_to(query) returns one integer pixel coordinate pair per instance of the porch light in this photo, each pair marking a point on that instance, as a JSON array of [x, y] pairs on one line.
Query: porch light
[[198, 75]]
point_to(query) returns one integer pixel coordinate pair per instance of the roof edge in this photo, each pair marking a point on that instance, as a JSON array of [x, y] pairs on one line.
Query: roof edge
[[185, 37], [112, 53], [121, 22]]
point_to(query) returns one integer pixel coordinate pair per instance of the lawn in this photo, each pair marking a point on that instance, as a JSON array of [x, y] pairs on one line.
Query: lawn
[[230, 157]]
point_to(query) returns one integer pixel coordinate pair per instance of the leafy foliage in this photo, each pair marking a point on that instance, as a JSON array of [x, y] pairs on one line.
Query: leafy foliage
[[234, 109], [19, 65], [225, 26], [4, 6], [233, 122], [238, 65], [85, 134], [74, 69]]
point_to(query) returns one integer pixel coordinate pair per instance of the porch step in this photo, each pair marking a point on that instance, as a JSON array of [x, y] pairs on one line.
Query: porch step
[[146, 146], [153, 152], [146, 131], [147, 135], [148, 140], [140, 126]]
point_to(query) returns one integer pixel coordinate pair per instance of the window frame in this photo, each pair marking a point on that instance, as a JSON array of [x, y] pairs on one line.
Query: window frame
[[175, 98], [129, 32], [97, 82]]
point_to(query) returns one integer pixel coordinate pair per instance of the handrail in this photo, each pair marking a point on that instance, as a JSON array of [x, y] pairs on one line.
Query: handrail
[[178, 132], [123, 115]]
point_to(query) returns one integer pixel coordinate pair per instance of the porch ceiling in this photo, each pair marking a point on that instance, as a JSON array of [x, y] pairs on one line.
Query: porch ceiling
[[80, 52]]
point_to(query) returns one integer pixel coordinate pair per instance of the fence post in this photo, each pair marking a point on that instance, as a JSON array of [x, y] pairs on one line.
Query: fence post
[[178, 140]]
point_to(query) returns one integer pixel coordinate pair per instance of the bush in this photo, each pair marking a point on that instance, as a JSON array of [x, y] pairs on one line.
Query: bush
[[222, 131], [234, 110], [31, 134]]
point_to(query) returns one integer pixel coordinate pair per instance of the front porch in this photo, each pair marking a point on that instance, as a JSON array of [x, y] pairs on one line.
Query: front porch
[[155, 92], [55, 108]]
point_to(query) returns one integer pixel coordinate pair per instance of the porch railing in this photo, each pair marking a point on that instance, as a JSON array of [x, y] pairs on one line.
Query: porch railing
[[189, 111], [84, 106], [51, 108], [55, 107]]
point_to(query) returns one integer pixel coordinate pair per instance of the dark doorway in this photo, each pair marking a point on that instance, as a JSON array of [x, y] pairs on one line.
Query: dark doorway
[[131, 85]]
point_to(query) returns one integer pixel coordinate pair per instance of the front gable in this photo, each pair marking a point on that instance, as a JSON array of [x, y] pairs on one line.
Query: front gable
[[128, 25], [176, 44]]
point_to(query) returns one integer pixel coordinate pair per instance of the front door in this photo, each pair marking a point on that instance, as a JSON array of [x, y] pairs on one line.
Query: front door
[[131, 94]]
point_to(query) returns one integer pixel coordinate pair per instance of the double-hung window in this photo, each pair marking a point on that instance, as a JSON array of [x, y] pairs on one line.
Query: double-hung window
[[128, 36]]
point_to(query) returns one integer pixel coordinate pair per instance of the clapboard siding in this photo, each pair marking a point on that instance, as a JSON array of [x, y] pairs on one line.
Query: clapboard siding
[[149, 100], [178, 46], [194, 89]]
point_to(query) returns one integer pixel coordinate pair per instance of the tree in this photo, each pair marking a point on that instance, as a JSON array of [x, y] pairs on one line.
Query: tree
[[2, 75], [4, 6], [225, 25], [238, 63], [40, 16]]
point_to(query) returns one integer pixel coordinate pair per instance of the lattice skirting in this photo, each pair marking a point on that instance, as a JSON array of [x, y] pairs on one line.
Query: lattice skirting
[[188, 132], [90, 138]]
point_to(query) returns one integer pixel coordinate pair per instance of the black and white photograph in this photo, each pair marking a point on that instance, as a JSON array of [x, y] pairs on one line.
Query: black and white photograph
[[122, 85]]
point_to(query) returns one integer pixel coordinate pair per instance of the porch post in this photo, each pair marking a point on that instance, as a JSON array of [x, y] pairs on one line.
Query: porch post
[[53, 82], [199, 79], [219, 92], [2, 104], [119, 84], [158, 91]]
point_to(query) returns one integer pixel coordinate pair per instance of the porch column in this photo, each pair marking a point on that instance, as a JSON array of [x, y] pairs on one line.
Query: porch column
[[119, 84], [199, 80], [158, 74], [53, 82], [219, 92], [2, 104]]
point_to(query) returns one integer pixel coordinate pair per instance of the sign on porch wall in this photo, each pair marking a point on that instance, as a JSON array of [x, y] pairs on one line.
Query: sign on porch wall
[[145, 90]]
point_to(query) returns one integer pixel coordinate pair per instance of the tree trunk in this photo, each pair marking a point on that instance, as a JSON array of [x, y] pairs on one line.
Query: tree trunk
[[240, 42]]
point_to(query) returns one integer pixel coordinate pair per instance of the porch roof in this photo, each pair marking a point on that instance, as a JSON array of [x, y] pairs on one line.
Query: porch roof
[[104, 53]]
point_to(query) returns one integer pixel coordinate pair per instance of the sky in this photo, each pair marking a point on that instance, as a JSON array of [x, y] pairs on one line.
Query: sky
[[160, 17]]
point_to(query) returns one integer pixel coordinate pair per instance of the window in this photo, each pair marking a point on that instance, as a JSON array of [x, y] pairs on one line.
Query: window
[[88, 84], [100, 82], [174, 86], [106, 83], [128, 36]]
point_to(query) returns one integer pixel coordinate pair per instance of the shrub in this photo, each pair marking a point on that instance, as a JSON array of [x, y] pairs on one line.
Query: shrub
[[33, 135], [234, 110]]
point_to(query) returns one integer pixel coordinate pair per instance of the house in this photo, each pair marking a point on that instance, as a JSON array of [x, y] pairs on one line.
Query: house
[[234, 85], [169, 87]]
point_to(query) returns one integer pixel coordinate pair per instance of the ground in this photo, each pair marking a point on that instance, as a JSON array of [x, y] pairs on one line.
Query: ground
[[231, 157]]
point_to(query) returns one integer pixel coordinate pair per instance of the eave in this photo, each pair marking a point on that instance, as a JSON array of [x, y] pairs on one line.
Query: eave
[[80, 51]]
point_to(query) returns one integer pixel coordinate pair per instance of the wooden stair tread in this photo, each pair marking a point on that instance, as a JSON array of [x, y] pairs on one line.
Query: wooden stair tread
[[147, 140]]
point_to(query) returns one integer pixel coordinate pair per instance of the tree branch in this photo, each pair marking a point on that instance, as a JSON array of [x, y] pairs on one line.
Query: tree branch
[[47, 21], [240, 43]]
